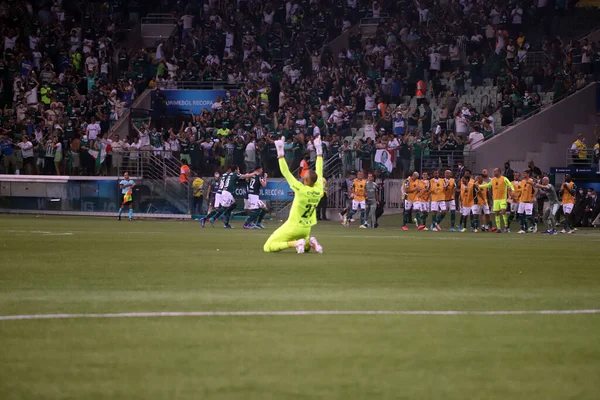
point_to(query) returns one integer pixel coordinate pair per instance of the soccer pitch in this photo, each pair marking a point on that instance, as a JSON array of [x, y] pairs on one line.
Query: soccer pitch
[[53, 265]]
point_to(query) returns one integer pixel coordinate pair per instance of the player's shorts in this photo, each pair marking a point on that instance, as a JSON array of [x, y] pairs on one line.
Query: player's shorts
[[567, 208], [246, 204], [254, 202], [525, 208], [450, 205], [218, 200], [409, 205], [466, 210], [227, 199], [499, 205], [356, 203], [485, 209], [424, 206], [286, 233], [514, 207], [438, 206]]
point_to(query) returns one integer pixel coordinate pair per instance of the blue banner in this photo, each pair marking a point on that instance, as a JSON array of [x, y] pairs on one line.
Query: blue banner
[[180, 102], [275, 191]]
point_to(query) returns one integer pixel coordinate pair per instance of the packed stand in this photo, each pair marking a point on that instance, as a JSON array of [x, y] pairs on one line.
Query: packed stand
[[59, 93]]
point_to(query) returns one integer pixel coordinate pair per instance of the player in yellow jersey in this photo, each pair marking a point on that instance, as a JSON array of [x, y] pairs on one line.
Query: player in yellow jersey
[[568, 190], [423, 202], [468, 201], [449, 192], [526, 203], [295, 232], [358, 192], [513, 199], [411, 187], [501, 190], [438, 200], [482, 213]]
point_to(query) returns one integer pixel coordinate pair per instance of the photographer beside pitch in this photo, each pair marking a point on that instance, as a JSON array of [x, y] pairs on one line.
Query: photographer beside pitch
[[295, 232]]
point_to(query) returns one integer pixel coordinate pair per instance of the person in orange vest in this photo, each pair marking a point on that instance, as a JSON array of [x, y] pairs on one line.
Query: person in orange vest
[[184, 172], [304, 168], [421, 91]]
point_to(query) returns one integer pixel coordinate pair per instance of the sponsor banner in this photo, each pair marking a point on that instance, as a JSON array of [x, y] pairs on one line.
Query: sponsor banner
[[574, 170], [180, 102], [274, 191]]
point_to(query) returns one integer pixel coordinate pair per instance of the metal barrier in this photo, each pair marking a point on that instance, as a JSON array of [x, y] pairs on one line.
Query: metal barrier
[[534, 58], [583, 158], [157, 26], [160, 170], [214, 85], [445, 160]]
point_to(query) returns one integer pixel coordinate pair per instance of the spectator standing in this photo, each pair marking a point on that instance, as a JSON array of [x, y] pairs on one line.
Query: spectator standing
[[579, 150], [508, 172], [507, 110], [27, 153], [250, 156]]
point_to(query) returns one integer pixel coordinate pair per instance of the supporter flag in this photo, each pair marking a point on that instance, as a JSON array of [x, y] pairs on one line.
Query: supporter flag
[[100, 155], [384, 160], [127, 196]]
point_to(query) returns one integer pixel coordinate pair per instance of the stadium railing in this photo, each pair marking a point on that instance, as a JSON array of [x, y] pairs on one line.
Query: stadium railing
[[583, 159], [445, 160], [160, 170]]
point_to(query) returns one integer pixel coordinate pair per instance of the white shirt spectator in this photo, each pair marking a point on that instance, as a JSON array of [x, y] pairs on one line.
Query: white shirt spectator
[[32, 96], [93, 130], [435, 61], [172, 70], [33, 42], [316, 131], [475, 139], [462, 126], [144, 138], [27, 149], [268, 17], [91, 63], [369, 102], [174, 144], [216, 106], [376, 10], [294, 74], [250, 154], [9, 42], [188, 21], [159, 52], [229, 39], [369, 131], [423, 14], [517, 15]]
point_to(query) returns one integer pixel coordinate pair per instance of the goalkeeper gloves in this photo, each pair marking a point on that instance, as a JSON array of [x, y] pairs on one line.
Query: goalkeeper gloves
[[279, 147], [318, 146]]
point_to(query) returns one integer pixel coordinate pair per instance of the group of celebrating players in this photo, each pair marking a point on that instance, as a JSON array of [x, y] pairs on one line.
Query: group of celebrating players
[[472, 198], [436, 196]]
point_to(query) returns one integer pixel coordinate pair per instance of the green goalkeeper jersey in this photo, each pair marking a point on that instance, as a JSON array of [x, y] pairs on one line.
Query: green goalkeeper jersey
[[306, 198]]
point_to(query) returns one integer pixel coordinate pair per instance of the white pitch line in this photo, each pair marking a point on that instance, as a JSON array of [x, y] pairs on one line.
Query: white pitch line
[[287, 313]]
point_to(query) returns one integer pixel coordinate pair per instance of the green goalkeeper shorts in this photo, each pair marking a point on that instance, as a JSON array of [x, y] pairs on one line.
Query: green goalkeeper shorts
[[499, 205]]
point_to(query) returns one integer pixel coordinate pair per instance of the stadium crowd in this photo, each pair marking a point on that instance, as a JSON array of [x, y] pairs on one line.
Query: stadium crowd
[[402, 86]]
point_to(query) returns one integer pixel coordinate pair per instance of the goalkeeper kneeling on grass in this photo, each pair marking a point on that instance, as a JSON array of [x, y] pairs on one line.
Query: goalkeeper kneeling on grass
[[295, 232]]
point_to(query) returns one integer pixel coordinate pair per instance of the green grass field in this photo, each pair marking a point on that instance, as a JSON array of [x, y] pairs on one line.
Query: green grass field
[[54, 265]]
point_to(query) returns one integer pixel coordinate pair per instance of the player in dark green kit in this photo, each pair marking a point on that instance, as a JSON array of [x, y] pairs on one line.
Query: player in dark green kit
[[258, 209], [226, 202]]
